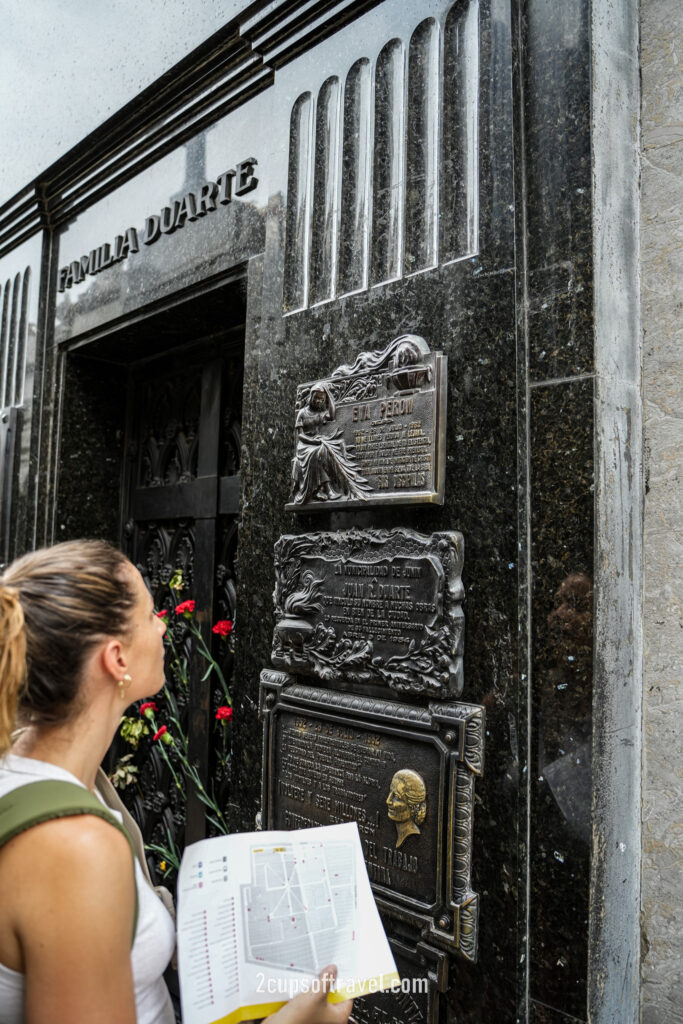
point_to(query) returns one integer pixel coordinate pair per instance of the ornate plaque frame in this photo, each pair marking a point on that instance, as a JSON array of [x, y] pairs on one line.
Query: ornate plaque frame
[[426, 971], [380, 607], [443, 741], [373, 432]]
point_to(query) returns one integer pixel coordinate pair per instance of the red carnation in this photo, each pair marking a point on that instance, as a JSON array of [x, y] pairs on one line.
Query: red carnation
[[160, 733], [184, 607], [224, 713], [223, 627], [162, 614], [148, 706]]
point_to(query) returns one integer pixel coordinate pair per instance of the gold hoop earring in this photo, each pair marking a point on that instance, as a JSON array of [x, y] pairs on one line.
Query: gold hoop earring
[[123, 686]]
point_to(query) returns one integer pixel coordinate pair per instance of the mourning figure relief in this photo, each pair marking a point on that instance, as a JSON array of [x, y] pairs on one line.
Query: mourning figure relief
[[407, 803], [323, 469]]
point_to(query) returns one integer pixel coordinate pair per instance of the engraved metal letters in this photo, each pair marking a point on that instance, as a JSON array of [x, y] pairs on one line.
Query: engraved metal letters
[[381, 607], [373, 432], [332, 756]]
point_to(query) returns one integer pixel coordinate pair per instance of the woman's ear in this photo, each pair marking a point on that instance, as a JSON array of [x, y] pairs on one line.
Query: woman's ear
[[113, 658]]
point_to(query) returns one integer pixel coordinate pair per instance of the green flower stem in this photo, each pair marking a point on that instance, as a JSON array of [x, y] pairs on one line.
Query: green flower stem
[[190, 772], [212, 661], [173, 715], [179, 668], [169, 853], [162, 751], [167, 759], [207, 800], [178, 664]]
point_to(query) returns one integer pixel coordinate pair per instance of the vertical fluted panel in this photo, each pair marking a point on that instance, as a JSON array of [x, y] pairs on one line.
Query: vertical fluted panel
[[460, 160], [355, 192], [20, 358], [11, 345], [325, 193], [298, 204], [387, 198], [421, 145]]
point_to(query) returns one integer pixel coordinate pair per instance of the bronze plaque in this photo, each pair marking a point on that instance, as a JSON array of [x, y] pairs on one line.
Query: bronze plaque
[[424, 974], [405, 774], [373, 432], [372, 606]]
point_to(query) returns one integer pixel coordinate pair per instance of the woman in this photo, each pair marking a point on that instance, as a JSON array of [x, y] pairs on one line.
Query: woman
[[79, 641]]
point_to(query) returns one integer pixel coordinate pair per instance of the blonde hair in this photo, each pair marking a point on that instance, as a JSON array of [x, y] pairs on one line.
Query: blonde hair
[[12, 661], [55, 604]]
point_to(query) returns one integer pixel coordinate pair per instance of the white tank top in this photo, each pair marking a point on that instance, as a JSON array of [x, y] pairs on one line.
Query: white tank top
[[154, 937]]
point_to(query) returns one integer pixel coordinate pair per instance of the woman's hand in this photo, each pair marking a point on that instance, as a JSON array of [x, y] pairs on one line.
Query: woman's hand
[[313, 1007]]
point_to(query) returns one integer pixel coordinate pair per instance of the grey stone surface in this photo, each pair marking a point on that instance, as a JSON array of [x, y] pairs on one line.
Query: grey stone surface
[[613, 953], [662, 296]]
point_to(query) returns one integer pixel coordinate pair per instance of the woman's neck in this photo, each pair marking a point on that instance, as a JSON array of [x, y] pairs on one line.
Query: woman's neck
[[76, 746]]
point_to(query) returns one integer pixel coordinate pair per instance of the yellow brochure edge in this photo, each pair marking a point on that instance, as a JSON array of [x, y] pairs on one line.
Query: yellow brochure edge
[[359, 988]]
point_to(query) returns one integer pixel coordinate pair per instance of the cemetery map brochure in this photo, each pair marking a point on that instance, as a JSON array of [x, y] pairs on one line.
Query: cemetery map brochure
[[261, 913]]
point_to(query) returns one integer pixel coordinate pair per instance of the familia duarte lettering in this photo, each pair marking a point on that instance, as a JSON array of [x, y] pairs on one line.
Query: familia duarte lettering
[[193, 205]]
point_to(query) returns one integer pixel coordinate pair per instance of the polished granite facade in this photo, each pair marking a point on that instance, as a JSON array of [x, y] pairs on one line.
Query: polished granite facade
[[488, 257]]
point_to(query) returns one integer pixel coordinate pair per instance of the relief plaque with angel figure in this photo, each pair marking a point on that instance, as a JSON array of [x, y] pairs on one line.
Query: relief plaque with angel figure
[[373, 431]]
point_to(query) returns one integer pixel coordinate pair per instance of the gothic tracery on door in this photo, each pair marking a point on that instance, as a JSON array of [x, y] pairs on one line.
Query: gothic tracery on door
[[181, 493]]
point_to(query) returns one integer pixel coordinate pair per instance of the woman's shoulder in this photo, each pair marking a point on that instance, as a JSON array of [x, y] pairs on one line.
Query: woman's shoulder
[[65, 869], [83, 844]]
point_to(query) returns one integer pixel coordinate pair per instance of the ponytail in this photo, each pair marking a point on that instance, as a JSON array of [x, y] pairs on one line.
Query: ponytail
[[12, 662], [55, 605]]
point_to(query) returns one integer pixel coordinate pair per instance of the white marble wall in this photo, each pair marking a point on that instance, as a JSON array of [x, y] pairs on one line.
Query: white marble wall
[[662, 321]]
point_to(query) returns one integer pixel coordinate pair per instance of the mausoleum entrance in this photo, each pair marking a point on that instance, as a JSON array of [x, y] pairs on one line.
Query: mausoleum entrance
[[152, 436]]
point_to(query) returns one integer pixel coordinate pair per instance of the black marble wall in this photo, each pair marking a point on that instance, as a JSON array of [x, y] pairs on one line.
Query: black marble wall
[[515, 322], [467, 309], [501, 245], [559, 363]]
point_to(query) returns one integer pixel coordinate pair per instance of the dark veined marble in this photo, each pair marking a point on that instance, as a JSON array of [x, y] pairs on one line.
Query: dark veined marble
[[557, 147], [336, 266], [562, 675], [541, 1014], [466, 309]]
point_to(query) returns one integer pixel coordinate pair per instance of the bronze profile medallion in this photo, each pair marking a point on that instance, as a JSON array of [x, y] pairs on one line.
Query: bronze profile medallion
[[407, 803]]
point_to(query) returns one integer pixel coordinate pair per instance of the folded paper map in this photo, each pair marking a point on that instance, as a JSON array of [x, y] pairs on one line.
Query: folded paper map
[[261, 913]]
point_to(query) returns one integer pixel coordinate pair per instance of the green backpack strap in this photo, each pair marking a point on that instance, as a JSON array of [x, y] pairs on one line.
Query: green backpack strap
[[41, 801]]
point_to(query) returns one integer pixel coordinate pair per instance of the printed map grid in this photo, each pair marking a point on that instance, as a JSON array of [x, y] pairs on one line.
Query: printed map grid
[[300, 906]]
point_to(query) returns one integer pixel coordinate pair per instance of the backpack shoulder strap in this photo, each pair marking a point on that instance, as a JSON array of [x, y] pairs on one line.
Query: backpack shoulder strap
[[47, 799]]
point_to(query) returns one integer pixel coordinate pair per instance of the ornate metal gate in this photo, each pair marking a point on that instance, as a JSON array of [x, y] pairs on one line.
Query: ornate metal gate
[[181, 494]]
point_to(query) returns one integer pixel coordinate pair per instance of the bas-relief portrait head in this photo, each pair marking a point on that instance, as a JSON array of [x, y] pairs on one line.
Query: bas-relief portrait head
[[407, 803], [319, 398]]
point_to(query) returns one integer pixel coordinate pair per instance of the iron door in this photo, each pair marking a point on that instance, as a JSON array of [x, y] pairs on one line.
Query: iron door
[[180, 503]]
